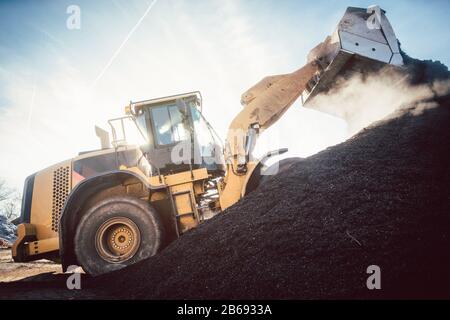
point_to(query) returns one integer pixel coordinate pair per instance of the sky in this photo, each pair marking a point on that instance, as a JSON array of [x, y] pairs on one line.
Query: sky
[[56, 83]]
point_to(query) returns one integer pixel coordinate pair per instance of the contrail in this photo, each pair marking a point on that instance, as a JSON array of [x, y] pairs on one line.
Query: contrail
[[116, 53]]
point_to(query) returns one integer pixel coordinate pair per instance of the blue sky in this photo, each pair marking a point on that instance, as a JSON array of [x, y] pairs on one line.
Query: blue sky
[[50, 99]]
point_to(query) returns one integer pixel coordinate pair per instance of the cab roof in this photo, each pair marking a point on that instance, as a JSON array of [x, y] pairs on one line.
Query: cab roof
[[133, 107]]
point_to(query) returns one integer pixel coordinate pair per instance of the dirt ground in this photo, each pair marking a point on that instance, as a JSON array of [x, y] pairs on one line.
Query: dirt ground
[[42, 279], [10, 271], [24, 280]]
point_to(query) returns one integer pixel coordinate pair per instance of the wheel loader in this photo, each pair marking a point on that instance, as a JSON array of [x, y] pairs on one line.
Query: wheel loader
[[110, 208]]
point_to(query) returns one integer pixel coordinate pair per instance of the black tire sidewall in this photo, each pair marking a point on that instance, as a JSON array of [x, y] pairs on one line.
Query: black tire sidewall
[[138, 211]]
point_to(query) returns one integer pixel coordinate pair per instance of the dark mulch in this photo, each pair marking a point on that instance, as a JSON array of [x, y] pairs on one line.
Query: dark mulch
[[380, 198]]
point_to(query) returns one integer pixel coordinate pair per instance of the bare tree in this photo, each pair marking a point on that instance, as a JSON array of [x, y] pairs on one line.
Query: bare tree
[[9, 201], [11, 207], [5, 192]]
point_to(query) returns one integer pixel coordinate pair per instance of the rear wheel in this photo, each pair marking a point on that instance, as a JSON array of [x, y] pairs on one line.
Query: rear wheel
[[117, 232]]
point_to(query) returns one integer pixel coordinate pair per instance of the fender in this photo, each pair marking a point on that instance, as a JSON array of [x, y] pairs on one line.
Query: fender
[[71, 212]]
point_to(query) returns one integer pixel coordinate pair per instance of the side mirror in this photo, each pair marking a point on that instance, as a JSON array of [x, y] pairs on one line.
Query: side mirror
[[103, 135]]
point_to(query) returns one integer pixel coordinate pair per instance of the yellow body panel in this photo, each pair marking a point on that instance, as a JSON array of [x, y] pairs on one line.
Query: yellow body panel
[[25, 232], [184, 186], [51, 188], [182, 177], [53, 185], [183, 195], [234, 187], [43, 246]]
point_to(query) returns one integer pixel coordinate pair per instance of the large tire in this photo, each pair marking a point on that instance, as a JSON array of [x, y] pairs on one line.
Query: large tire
[[117, 232]]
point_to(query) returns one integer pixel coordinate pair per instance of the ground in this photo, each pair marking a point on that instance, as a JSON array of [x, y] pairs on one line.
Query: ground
[[42, 279], [10, 271]]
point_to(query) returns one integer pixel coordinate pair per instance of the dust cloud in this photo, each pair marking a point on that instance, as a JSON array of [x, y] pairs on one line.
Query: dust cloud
[[364, 99]]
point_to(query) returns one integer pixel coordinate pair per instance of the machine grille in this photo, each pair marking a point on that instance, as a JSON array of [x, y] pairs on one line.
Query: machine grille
[[61, 180]]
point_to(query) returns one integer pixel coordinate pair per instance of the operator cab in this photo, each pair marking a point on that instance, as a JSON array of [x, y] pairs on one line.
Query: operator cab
[[178, 136]]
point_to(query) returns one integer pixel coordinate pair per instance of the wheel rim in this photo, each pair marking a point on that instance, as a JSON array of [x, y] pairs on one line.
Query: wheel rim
[[117, 240]]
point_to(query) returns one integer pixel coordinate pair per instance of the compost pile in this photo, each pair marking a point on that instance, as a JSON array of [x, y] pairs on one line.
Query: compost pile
[[381, 198]]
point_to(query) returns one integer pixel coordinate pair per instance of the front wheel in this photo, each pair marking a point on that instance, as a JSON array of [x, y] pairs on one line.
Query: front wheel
[[117, 232]]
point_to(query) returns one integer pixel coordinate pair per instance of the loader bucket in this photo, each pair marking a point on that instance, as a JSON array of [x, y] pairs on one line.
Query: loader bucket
[[363, 42]]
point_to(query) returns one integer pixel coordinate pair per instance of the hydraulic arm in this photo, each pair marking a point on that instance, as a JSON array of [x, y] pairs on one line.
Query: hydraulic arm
[[264, 104]]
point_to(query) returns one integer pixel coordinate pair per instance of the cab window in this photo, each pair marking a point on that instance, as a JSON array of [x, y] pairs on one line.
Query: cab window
[[169, 125], [204, 137]]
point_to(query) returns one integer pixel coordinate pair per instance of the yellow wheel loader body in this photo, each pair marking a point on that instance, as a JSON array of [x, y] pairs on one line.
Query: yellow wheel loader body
[[178, 175]]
